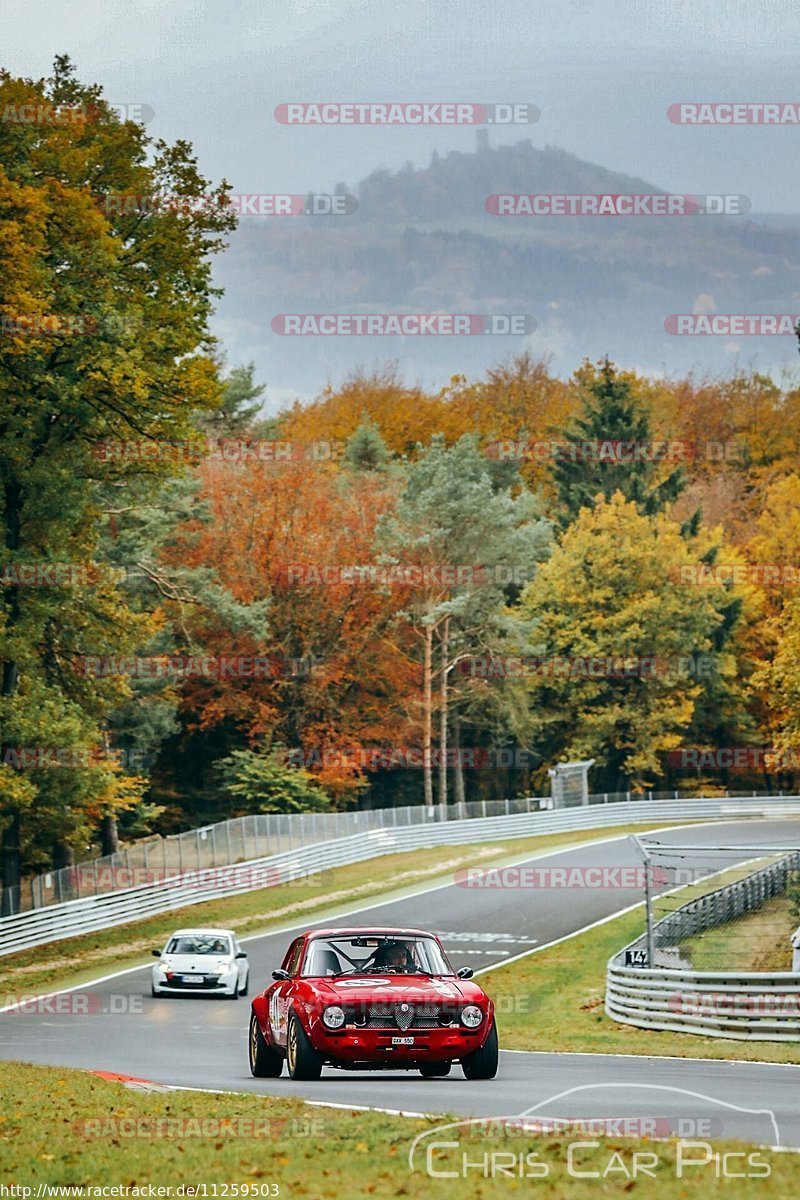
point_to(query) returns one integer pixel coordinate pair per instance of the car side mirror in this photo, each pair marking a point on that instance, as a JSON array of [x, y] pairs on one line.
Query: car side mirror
[[280, 974], [156, 953], [241, 954], [465, 972]]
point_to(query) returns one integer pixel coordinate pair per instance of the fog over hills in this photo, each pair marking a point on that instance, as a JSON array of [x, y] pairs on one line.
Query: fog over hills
[[422, 240]]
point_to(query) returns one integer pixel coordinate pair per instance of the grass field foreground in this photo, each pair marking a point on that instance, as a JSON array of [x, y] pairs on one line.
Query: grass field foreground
[[93, 1133]]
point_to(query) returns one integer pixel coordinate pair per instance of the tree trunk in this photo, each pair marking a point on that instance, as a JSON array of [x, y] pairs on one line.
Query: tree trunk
[[443, 718], [63, 856], [458, 769], [11, 865], [427, 733], [109, 835], [10, 858], [63, 859]]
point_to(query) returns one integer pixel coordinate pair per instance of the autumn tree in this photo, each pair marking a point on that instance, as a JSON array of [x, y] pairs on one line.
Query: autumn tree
[[335, 675], [615, 630], [473, 545], [104, 307]]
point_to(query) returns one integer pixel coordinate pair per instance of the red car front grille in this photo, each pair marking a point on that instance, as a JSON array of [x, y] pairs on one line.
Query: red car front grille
[[414, 1016]]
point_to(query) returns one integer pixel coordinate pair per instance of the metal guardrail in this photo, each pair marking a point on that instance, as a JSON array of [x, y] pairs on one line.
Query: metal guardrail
[[251, 837], [746, 1006], [74, 917]]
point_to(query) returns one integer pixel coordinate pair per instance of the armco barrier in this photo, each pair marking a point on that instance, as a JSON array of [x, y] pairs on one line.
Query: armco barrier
[[746, 1006], [74, 917], [255, 836]]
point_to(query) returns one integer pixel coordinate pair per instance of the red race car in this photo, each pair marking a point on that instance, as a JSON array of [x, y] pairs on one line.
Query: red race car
[[371, 999]]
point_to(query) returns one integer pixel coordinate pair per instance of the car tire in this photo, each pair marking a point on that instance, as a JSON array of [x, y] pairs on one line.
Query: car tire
[[246, 987], [265, 1063], [435, 1070], [303, 1060], [153, 991], [482, 1064]]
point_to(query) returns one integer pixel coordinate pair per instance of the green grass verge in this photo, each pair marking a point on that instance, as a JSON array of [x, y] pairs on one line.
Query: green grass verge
[[553, 1000], [759, 941], [95, 1133], [74, 961]]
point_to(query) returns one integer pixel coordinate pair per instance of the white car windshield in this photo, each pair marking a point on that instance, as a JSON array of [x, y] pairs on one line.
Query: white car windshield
[[199, 944], [375, 954]]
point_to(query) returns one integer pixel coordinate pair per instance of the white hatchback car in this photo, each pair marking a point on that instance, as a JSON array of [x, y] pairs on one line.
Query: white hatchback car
[[208, 961]]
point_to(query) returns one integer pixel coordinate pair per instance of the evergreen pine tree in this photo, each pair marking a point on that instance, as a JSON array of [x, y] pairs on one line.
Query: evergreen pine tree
[[610, 449]]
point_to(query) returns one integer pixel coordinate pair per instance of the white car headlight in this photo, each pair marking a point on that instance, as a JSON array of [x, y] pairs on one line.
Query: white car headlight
[[164, 966], [471, 1016], [333, 1017]]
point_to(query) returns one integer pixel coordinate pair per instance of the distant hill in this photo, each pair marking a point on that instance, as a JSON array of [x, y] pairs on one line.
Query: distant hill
[[423, 241]]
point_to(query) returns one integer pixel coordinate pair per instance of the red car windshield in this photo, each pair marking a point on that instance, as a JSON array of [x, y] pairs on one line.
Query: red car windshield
[[374, 954]]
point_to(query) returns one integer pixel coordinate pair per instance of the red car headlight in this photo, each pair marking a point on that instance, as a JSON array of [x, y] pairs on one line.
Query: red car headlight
[[333, 1017], [471, 1016]]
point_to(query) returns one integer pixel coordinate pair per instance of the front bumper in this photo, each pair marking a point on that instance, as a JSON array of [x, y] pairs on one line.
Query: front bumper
[[208, 985], [352, 1045]]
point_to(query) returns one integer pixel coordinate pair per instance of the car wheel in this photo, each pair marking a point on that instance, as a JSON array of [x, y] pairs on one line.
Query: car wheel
[[303, 1060], [483, 1063], [246, 987], [153, 991], [265, 1063], [435, 1070]]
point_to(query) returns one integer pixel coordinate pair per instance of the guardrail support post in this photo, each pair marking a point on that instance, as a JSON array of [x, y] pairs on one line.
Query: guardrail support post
[[648, 900]]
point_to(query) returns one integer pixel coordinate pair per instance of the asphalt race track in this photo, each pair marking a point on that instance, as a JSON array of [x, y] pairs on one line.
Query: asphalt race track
[[201, 1042]]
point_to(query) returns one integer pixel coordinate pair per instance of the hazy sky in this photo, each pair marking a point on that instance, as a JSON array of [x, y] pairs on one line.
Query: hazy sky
[[602, 72]]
